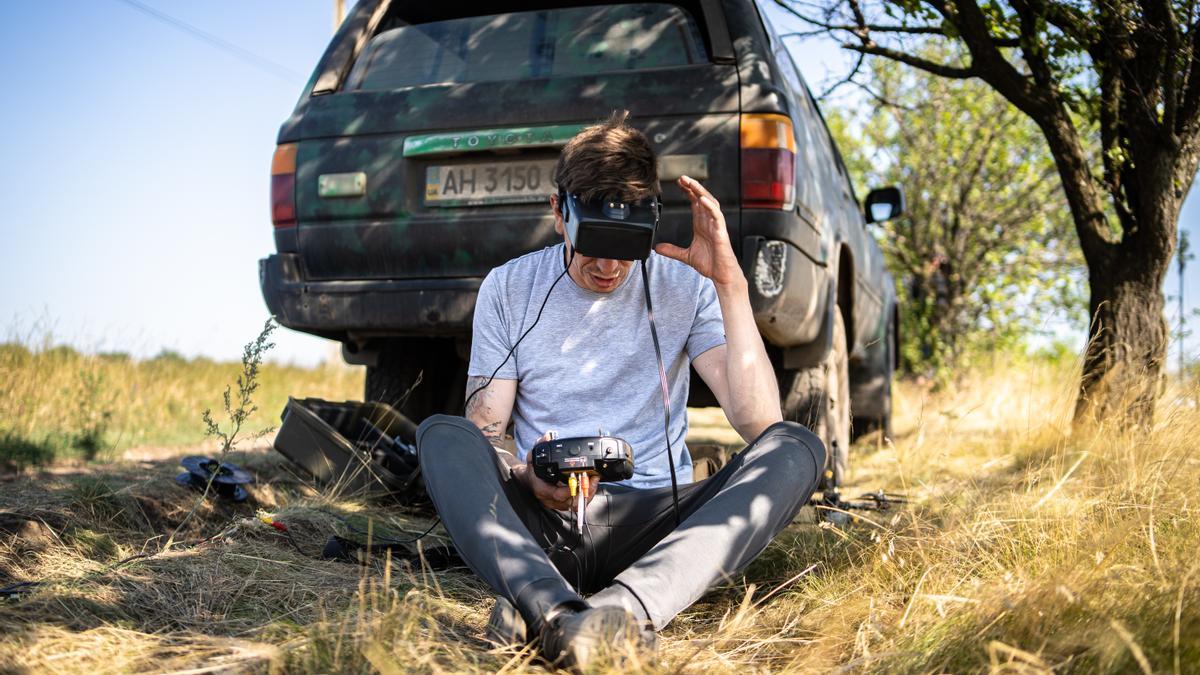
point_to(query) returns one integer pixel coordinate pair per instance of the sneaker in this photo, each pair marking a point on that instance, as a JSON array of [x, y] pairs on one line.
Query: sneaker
[[577, 640], [505, 626]]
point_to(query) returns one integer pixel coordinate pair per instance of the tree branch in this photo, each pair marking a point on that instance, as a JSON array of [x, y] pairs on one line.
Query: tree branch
[[1156, 62], [881, 98], [1189, 115], [1037, 96], [915, 61], [1033, 48], [1073, 23], [990, 64], [1113, 154], [848, 78], [985, 147], [1048, 112], [787, 7], [874, 28]]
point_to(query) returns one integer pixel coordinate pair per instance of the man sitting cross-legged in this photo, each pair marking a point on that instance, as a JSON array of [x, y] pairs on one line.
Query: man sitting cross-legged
[[588, 364]]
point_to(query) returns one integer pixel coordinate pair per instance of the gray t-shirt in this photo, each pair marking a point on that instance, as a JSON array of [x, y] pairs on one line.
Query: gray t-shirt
[[589, 363]]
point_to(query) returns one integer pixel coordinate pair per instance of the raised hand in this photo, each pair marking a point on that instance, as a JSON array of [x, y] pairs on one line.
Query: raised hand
[[710, 253]]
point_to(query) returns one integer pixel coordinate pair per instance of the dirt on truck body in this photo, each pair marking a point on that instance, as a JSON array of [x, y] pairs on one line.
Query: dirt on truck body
[[420, 155]]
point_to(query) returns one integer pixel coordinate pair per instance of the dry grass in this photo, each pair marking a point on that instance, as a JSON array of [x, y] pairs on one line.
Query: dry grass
[[1025, 549], [57, 403]]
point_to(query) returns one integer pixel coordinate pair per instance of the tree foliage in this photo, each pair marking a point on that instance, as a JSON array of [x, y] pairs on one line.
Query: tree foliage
[[985, 255], [1121, 77]]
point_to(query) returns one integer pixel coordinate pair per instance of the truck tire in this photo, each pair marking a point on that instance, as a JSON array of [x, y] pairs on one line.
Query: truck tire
[[819, 398], [441, 384]]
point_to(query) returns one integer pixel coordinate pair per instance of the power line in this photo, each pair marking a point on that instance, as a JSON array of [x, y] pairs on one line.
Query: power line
[[244, 55]]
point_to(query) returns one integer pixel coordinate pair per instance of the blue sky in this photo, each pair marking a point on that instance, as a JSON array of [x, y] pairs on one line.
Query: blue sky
[[135, 170]]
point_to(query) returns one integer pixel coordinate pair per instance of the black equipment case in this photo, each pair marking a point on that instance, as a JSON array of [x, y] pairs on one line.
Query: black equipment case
[[352, 448]]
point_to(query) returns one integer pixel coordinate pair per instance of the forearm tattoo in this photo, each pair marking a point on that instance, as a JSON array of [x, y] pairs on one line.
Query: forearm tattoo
[[480, 412]]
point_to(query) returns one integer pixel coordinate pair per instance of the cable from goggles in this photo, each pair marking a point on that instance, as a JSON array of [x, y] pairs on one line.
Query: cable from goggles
[[615, 230], [662, 379], [467, 404]]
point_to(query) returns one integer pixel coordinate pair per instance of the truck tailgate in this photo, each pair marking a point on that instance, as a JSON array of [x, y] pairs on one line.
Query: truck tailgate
[[452, 179]]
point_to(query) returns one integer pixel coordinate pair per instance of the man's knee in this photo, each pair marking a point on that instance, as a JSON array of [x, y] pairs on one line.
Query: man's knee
[[443, 439], [794, 446]]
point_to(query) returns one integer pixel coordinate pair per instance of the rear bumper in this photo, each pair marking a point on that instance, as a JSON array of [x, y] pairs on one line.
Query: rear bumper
[[337, 309]]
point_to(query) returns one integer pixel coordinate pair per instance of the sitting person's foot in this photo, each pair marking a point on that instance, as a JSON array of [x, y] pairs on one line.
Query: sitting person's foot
[[577, 639], [505, 626]]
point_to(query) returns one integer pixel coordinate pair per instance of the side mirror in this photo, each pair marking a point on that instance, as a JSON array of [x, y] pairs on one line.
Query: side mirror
[[884, 204]]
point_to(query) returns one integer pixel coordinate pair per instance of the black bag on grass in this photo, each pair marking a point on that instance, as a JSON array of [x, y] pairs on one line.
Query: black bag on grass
[[353, 449]]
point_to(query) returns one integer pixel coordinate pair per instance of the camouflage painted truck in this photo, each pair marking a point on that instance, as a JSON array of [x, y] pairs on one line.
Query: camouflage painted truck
[[420, 156]]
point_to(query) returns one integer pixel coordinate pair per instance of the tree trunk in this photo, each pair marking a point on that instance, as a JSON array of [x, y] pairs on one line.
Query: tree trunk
[[1127, 340], [1127, 337]]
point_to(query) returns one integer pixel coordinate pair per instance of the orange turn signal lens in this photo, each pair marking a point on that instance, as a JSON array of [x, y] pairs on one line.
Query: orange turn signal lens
[[767, 131], [284, 160]]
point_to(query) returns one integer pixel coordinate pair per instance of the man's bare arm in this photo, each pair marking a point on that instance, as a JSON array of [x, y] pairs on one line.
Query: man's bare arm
[[739, 373], [491, 409]]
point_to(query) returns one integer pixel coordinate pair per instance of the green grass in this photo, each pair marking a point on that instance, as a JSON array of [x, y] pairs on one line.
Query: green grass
[[59, 404]]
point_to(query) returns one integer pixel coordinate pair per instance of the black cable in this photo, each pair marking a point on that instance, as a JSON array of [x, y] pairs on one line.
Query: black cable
[[380, 539], [20, 588], [375, 536], [292, 541], [578, 566], [483, 386], [662, 378]]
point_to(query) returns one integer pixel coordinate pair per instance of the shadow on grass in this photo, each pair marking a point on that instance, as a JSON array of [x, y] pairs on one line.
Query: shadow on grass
[[18, 452], [231, 589], [77, 532]]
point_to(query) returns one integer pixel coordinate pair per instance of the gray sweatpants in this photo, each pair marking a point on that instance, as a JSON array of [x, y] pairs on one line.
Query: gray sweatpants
[[531, 554]]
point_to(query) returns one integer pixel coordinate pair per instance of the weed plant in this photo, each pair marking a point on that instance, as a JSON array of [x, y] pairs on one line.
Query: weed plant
[[237, 411]]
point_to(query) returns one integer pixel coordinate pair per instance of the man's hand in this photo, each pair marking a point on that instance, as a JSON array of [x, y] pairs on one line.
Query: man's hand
[[557, 497], [710, 253]]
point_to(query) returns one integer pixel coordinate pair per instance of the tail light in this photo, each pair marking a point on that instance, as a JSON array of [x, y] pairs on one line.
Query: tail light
[[283, 186], [768, 162]]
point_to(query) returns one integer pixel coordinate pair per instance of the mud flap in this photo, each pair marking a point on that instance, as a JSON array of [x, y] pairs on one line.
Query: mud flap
[[813, 353]]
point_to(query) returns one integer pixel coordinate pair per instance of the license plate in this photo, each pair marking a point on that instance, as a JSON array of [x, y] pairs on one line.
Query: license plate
[[489, 183]]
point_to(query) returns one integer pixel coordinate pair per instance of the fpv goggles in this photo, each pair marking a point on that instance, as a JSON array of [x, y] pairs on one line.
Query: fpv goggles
[[606, 228]]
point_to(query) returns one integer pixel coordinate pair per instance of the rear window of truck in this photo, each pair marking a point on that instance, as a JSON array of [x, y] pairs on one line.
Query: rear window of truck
[[533, 44]]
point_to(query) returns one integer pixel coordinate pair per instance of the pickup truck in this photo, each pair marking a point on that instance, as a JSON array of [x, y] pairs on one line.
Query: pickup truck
[[419, 157]]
